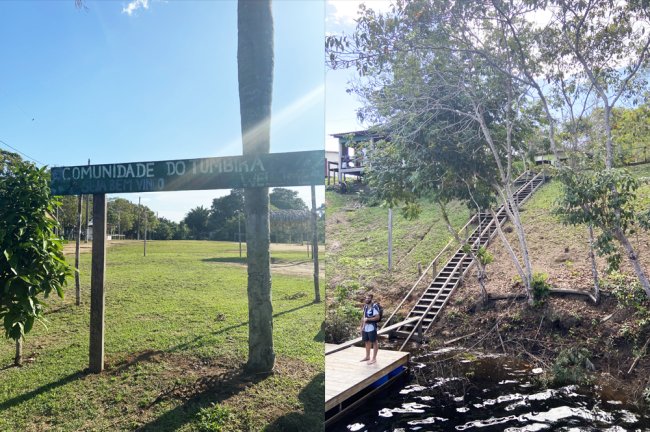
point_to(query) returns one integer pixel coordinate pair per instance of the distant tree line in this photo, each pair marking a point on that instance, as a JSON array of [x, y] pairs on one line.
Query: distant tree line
[[289, 223], [289, 218]]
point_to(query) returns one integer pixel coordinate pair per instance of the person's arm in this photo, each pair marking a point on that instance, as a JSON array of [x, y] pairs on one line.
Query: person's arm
[[375, 314]]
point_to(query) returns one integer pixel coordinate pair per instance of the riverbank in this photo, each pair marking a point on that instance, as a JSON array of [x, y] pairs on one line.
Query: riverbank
[[568, 336]]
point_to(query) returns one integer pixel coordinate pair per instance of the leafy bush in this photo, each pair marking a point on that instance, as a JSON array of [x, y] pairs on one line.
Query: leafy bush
[[572, 366], [541, 288], [346, 290], [31, 258], [342, 323], [630, 294], [213, 418]]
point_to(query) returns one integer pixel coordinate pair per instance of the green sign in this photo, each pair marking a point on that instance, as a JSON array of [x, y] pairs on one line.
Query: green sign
[[264, 170]]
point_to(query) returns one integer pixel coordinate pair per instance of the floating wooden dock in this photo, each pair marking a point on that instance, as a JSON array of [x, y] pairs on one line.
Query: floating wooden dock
[[349, 381]]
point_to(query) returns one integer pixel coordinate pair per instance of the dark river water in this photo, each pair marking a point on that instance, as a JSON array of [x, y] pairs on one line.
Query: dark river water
[[459, 391]]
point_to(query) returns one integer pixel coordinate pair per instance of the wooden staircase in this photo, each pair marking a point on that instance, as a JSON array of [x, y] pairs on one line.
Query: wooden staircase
[[435, 297]]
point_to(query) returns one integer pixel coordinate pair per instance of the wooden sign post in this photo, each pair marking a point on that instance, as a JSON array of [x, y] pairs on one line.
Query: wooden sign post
[[249, 171], [97, 279], [314, 248]]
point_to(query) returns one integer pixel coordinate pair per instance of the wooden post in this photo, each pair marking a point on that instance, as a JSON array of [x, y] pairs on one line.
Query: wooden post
[[145, 234], [314, 247], [390, 239], [87, 220], [97, 277], [58, 224], [139, 218], [239, 230], [76, 254], [420, 335]]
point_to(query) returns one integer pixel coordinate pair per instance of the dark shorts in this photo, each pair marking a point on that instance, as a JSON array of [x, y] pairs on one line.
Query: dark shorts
[[370, 336]]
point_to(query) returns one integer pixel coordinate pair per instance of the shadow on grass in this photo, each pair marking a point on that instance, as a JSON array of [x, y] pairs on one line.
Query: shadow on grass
[[242, 260], [121, 366], [312, 418], [198, 339], [10, 403], [320, 336], [236, 260], [206, 391]]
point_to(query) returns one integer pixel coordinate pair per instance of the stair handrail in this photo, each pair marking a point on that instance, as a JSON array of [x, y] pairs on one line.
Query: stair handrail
[[453, 272], [425, 272], [533, 187], [494, 220]]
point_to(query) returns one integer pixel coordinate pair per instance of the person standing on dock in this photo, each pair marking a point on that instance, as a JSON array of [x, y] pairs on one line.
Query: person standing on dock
[[368, 328]]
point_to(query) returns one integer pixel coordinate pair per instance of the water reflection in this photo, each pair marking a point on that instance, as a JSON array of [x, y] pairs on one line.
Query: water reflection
[[452, 390]]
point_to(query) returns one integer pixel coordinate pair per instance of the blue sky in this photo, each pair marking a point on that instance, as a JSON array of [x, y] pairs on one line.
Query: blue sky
[[120, 83], [341, 107]]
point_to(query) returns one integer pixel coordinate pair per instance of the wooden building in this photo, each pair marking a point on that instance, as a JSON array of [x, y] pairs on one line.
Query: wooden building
[[352, 153]]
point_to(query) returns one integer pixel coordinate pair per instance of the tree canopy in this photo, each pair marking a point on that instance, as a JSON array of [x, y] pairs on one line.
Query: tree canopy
[[463, 90], [31, 263]]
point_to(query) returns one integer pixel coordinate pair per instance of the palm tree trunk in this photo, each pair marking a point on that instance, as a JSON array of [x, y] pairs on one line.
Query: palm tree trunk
[[255, 72]]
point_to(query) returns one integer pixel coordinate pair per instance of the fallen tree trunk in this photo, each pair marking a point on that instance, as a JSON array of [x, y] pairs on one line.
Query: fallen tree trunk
[[553, 292]]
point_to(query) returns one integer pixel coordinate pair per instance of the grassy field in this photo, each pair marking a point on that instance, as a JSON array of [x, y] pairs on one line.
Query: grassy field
[[176, 343]]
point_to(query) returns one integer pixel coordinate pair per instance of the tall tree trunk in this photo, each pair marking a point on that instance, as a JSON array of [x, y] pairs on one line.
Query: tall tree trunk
[[594, 269], [255, 72], [462, 242], [609, 146], [634, 260]]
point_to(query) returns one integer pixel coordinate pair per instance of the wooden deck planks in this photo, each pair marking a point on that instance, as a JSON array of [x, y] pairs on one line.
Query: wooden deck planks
[[345, 375], [332, 348]]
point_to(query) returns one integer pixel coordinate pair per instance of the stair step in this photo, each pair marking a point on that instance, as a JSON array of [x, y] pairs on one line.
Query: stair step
[[433, 309], [427, 301], [483, 230], [441, 298]]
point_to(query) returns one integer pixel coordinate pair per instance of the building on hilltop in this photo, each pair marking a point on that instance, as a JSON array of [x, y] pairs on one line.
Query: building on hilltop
[[352, 157]]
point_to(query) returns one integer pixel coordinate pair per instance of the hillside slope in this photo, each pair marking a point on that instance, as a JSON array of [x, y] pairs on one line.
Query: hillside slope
[[357, 244], [612, 333]]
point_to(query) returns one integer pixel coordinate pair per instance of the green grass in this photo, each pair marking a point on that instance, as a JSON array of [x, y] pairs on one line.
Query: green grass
[[176, 341], [360, 239], [545, 198]]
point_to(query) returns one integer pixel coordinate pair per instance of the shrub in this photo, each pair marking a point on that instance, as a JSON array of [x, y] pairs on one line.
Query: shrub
[[342, 323], [346, 290], [572, 366], [541, 288]]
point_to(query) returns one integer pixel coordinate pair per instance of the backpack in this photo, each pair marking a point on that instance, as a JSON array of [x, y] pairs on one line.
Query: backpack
[[381, 311]]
